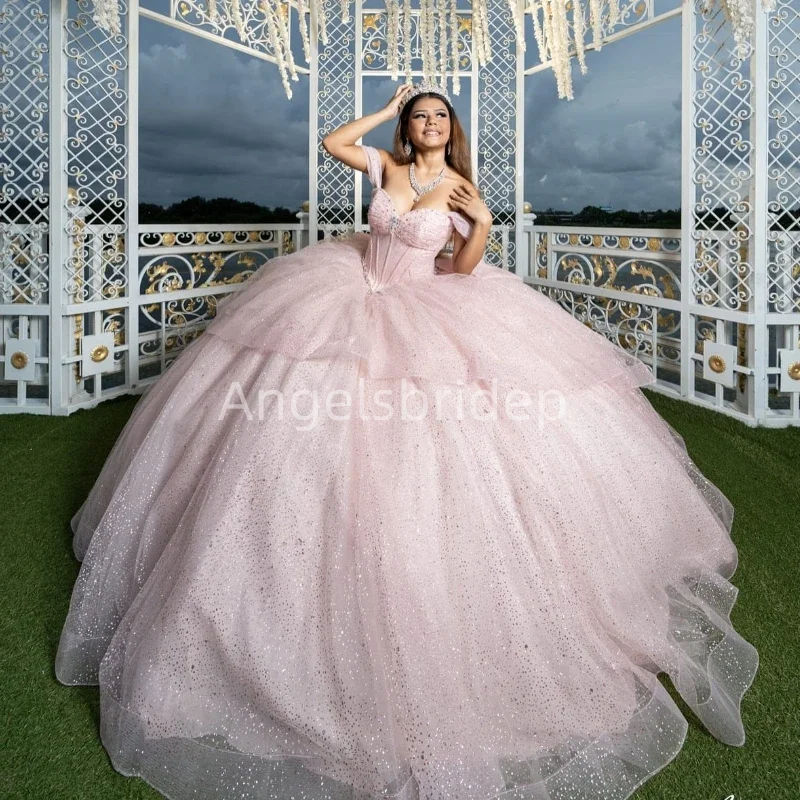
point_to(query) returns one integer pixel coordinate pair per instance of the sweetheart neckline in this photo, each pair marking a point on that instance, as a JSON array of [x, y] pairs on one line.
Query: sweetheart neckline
[[445, 214]]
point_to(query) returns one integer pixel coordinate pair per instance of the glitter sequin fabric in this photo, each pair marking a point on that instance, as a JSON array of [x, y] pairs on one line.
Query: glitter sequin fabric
[[347, 603]]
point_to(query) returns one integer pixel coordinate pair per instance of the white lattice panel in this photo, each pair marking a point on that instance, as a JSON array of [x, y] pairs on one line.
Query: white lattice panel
[[723, 167], [96, 164], [24, 204], [783, 153], [334, 104], [499, 129], [783, 210], [93, 70]]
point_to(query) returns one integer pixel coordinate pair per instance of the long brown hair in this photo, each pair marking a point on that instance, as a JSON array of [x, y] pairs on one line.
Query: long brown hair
[[459, 158]]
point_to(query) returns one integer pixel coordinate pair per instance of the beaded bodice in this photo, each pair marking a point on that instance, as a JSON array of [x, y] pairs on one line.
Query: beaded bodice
[[402, 247]]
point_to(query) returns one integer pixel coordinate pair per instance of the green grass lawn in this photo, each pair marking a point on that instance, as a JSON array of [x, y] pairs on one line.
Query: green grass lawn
[[49, 743]]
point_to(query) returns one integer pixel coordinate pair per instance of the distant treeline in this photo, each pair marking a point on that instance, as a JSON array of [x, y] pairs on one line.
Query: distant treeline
[[217, 211], [222, 210], [595, 217], [225, 209]]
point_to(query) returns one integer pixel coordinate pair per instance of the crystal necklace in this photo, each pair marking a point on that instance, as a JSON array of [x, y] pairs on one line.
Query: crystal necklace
[[421, 190]]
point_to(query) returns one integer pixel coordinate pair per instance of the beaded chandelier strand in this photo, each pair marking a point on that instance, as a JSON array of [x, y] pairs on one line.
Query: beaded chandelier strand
[[558, 37]]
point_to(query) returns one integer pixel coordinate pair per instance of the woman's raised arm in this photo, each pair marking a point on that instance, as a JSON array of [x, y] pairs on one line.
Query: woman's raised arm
[[341, 143]]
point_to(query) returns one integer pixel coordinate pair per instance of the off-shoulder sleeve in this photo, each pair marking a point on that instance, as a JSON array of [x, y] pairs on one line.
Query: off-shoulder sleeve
[[462, 225], [374, 166]]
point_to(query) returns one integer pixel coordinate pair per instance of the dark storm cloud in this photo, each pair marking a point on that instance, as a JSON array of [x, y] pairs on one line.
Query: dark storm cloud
[[618, 142], [217, 123]]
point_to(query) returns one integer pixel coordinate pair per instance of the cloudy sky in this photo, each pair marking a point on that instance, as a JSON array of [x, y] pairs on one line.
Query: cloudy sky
[[217, 123]]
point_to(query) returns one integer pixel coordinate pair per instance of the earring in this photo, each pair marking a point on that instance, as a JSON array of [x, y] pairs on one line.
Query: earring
[[407, 148], [448, 149]]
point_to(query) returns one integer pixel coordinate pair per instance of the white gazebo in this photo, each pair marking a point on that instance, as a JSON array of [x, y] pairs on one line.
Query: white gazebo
[[94, 304]]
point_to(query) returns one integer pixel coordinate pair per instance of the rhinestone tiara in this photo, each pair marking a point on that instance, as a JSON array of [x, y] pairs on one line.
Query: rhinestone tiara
[[425, 87]]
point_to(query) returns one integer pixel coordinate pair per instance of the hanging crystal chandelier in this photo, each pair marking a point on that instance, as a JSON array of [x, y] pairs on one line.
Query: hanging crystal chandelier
[[558, 37]]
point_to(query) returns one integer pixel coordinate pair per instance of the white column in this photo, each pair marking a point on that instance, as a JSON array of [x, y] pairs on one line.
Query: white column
[[59, 246], [313, 126], [524, 267], [132, 196], [688, 85], [758, 344]]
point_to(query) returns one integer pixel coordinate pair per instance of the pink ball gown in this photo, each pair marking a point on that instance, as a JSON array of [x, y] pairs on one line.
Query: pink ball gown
[[396, 602]]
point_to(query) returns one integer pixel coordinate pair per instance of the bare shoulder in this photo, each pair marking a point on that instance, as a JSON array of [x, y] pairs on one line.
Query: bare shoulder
[[456, 179]]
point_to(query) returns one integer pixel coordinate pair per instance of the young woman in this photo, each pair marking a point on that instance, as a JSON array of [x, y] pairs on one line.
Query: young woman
[[397, 525]]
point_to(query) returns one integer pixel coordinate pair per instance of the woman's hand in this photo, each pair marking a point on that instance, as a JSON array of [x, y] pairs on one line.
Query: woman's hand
[[392, 108], [466, 199]]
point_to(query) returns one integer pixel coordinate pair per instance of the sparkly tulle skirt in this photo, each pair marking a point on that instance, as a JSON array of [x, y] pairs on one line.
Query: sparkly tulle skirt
[[287, 596]]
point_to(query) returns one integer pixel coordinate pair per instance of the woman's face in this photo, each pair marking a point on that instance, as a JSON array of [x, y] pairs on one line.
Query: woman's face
[[429, 124]]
